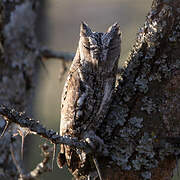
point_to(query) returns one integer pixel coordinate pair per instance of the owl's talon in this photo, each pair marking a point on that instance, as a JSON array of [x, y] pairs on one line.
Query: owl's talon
[[94, 141]]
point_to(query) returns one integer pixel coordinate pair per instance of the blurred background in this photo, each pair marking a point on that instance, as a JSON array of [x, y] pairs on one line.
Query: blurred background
[[58, 28]]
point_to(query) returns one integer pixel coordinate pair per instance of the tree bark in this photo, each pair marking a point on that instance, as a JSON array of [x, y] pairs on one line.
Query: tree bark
[[18, 65], [144, 116], [142, 128]]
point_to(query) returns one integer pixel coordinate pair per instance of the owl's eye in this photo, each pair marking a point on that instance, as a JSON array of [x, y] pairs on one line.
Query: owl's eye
[[113, 48], [87, 47]]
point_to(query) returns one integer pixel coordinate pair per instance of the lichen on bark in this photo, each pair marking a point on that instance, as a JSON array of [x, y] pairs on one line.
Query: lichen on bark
[[148, 90], [17, 72]]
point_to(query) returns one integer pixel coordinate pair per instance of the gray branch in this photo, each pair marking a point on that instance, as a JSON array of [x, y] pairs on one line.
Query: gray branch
[[35, 127], [47, 53]]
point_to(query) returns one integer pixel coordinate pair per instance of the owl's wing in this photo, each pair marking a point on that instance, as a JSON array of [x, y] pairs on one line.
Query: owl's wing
[[69, 100]]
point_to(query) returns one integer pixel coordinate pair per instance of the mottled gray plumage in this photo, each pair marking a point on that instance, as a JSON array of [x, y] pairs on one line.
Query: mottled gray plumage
[[88, 89]]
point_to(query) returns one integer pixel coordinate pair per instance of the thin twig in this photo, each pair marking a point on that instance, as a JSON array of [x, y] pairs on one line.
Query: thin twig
[[42, 167], [62, 70], [22, 147], [15, 161], [97, 168], [5, 128], [54, 154]]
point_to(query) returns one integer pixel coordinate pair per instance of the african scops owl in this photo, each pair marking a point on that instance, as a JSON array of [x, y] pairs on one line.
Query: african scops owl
[[88, 91]]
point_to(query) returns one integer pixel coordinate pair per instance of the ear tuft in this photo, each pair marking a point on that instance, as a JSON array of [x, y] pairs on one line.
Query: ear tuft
[[85, 30], [115, 28]]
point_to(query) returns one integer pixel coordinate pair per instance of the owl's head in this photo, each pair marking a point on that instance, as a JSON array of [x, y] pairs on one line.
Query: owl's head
[[100, 49]]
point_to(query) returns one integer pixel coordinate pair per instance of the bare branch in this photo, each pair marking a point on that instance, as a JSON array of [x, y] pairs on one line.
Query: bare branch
[[5, 128], [47, 53], [42, 167], [53, 157], [20, 170], [36, 128]]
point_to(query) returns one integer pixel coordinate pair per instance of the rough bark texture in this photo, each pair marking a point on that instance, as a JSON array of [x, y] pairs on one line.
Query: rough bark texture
[[142, 127], [145, 110], [17, 72]]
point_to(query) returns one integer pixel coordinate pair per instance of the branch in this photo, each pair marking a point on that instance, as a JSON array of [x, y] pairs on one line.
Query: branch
[[35, 127], [42, 167], [44, 52], [47, 53]]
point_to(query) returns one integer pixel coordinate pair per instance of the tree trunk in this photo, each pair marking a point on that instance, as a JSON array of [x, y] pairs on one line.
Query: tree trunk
[[144, 117], [18, 64]]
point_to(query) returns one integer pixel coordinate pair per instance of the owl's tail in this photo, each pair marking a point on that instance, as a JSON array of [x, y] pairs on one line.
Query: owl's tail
[[68, 156], [61, 158]]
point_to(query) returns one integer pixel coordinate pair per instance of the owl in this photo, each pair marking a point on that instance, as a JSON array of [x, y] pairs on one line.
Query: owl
[[88, 92]]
